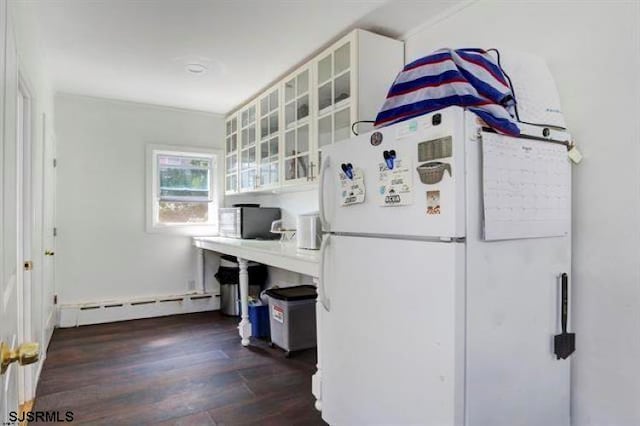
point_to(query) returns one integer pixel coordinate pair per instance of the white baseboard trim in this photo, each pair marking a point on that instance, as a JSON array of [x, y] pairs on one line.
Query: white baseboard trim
[[73, 315]]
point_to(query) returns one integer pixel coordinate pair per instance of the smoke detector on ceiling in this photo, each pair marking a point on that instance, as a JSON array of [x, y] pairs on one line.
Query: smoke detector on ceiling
[[196, 69]]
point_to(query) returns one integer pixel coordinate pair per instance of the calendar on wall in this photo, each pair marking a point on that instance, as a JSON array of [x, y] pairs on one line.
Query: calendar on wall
[[526, 188]]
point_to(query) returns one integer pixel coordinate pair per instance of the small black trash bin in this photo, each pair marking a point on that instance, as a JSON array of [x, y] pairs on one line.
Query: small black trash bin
[[228, 276]]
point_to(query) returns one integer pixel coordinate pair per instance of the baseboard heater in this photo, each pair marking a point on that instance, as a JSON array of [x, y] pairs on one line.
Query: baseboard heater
[[73, 315]]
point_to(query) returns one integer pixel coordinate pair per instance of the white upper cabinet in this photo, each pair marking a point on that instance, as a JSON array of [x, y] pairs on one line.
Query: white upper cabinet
[[269, 142], [248, 158], [314, 106], [298, 151], [231, 157]]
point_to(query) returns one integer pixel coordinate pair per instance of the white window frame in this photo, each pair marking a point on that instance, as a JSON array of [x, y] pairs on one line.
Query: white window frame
[[152, 184]]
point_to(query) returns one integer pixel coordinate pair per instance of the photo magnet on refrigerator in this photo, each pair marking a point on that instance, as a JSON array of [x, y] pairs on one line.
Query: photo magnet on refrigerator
[[352, 190], [433, 202], [395, 187]]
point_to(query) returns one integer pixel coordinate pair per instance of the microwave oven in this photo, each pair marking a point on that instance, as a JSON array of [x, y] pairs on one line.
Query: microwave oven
[[248, 222]]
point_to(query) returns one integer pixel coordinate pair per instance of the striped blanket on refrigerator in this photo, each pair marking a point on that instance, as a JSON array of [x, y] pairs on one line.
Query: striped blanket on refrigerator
[[468, 78]]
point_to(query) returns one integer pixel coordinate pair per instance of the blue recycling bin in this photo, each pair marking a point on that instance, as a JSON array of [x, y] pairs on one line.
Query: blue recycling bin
[[259, 319]]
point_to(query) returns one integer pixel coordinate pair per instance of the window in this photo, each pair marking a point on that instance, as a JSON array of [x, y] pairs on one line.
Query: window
[[182, 190]]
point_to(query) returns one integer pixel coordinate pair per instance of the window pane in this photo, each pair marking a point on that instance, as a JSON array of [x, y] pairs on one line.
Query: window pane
[[303, 139], [324, 131], [290, 143], [264, 105], [302, 166], [303, 107], [180, 212], [342, 87], [341, 58], [273, 100], [290, 169], [184, 178], [252, 134], [273, 146], [324, 96], [324, 69], [232, 182], [273, 122], [289, 90], [303, 83], [289, 113]]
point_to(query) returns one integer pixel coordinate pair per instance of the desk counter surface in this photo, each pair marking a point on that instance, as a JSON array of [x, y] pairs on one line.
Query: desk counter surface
[[283, 255]]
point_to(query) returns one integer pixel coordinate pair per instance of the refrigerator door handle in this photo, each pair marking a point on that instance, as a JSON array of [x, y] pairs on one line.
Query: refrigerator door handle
[[323, 217], [322, 290]]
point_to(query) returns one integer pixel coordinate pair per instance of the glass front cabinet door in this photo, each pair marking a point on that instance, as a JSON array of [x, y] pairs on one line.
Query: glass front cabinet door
[[269, 142], [248, 158], [299, 153], [277, 139], [231, 157], [334, 85]]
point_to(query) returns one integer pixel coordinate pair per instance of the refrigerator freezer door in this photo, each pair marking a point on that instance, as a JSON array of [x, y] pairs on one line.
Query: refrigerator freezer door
[[513, 312], [430, 201], [393, 338]]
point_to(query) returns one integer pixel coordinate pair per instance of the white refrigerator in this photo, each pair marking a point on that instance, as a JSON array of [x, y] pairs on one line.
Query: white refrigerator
[[440, 303]]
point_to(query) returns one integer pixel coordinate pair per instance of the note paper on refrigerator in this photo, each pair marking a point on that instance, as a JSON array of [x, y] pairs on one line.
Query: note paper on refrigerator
[[526, 188]]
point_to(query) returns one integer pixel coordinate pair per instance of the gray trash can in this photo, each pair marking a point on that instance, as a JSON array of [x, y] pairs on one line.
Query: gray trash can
[[228, 277], [292, 317]]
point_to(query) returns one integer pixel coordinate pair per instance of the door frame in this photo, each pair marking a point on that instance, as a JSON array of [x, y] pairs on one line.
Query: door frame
[[26, 227]]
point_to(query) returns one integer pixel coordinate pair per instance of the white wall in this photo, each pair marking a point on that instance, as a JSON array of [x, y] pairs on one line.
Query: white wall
[[593, 50], [103, 251], [291, 203]]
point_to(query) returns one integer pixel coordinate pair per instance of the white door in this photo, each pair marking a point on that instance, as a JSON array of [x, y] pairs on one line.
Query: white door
[[9, 231], [393, 338], [48, 229]]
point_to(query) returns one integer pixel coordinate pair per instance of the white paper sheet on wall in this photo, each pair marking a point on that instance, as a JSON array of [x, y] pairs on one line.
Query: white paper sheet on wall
[[526, 188]]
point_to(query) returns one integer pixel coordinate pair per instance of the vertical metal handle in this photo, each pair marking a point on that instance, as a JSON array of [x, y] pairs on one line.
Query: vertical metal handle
[[565, 301], [312, 166], [322, 288], [323, 217]]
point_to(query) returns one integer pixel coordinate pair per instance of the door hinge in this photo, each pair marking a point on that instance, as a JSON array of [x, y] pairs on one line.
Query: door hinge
[[55, 162], [55, 299], [28, 265], [55, 232]]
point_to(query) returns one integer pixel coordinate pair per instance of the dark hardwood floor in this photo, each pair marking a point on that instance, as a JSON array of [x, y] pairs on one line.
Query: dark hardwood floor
[[178, 370]]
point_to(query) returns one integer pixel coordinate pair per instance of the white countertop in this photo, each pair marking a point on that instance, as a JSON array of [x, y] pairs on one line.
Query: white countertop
[[283, 255]]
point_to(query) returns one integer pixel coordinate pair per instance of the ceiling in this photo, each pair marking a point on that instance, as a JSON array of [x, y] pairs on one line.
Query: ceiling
[[137, 50]]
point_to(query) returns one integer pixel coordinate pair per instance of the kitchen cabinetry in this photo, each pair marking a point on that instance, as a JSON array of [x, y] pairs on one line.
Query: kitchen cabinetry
[[314, 106], [269, 145], [248, 159], [231, 157], [298, 160]]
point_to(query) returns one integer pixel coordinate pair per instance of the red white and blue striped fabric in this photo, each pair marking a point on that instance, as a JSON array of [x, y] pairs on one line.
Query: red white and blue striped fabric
[[465, 77]]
